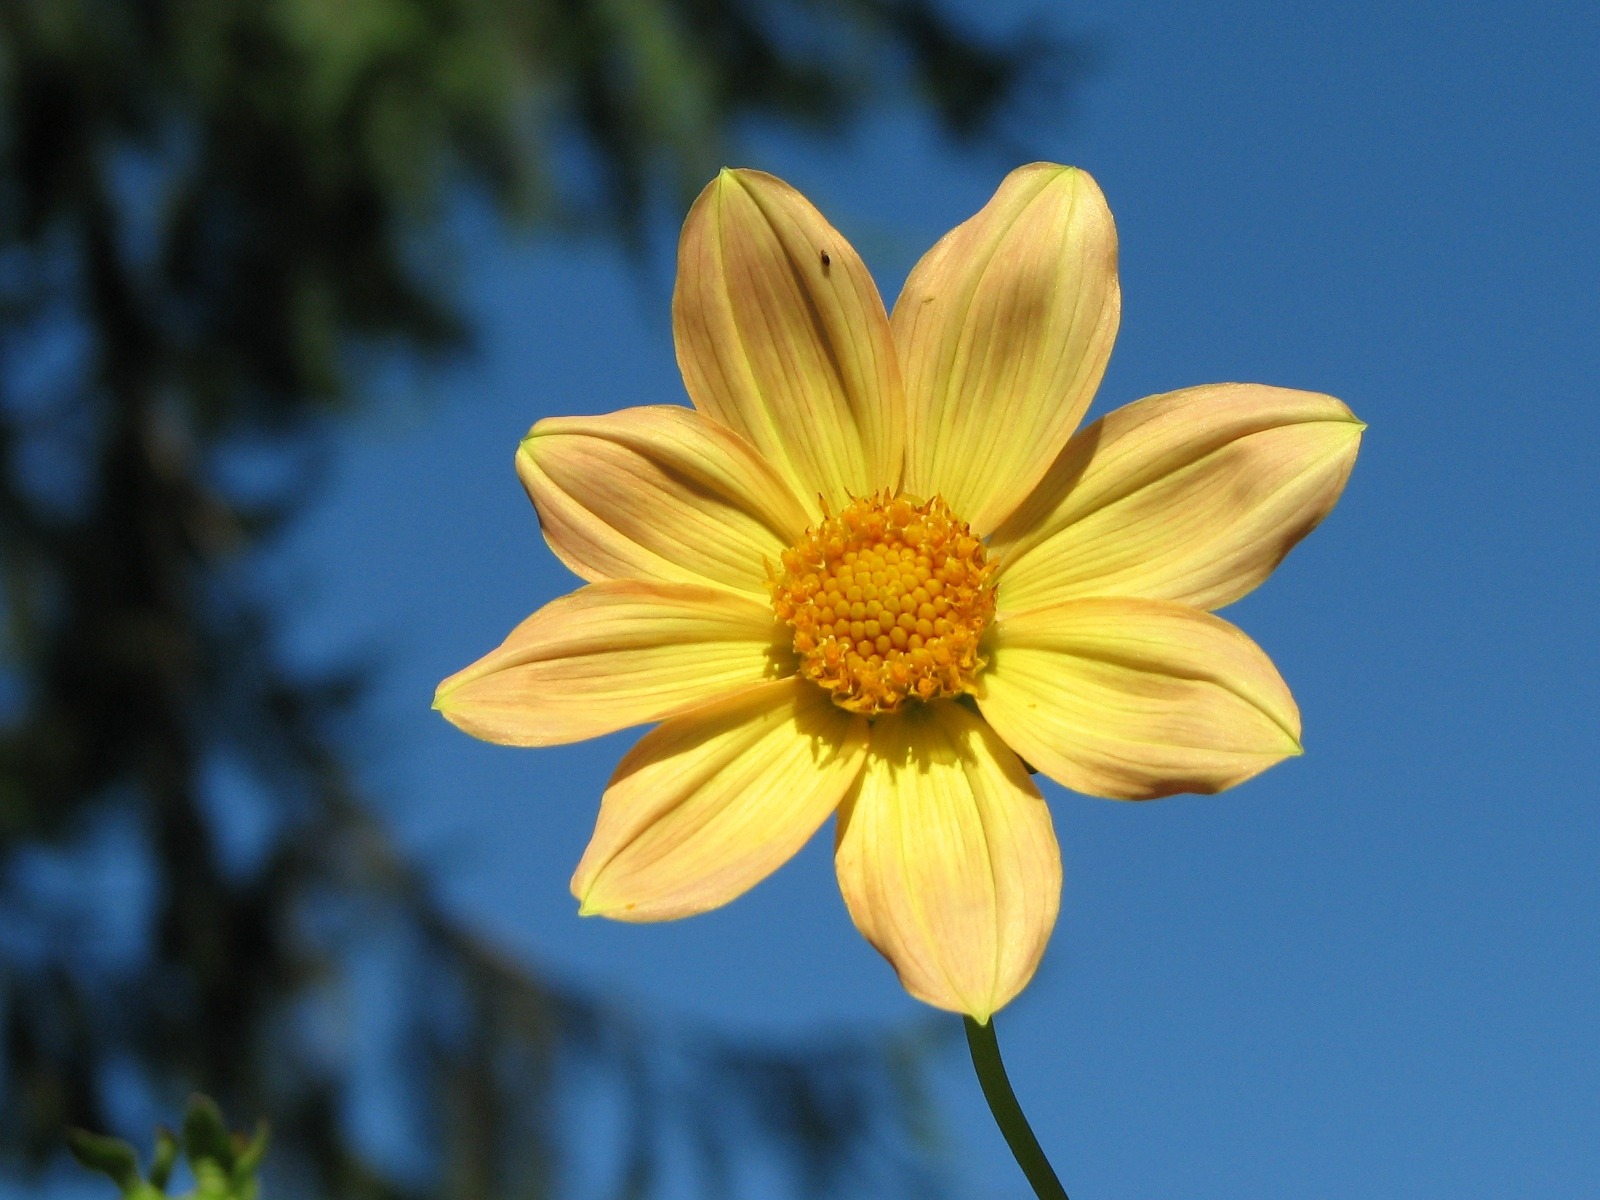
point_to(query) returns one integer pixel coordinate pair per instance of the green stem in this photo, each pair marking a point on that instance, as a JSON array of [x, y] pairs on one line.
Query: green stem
[[1008, 1113]]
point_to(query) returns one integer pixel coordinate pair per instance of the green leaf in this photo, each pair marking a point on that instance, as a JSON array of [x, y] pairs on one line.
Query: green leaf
[[165, 1156], [111, 1156], [210, 1183], [205, 1135], [249, 1156]]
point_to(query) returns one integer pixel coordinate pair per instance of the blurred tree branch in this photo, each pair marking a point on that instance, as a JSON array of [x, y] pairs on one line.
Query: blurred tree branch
[[211, 213]]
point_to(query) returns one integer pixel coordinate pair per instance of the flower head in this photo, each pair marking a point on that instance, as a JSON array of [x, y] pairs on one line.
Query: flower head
[[875, 572], [888, 602]]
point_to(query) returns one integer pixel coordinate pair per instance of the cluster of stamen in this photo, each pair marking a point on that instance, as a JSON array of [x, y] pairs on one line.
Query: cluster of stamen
[[887, 601]]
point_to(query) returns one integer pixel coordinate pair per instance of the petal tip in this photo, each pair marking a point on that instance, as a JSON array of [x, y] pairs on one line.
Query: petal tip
[[737, 178], [582, 887], [1001, 993], [1045, 167], [444, 692], [591, 905], [542, 428], [526, 459]]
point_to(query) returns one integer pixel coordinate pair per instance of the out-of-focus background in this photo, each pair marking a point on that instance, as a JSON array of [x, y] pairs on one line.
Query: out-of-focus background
[[282, 282]]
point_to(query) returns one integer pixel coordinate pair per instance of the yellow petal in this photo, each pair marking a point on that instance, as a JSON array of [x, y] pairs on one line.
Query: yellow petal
[[710, 804], [615, 654], [1004, 329], [1192, 496], [782, 336], [948, 861], [658, 493], [1134, 699]]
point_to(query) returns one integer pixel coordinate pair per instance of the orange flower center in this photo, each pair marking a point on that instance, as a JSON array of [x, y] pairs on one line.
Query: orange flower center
[[887, 600]]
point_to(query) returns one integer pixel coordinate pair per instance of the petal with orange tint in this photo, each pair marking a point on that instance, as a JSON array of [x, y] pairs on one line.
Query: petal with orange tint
[[1134, 699], [710, 804], [1004, 330], [615, 654], [1192, 496], [658, 493], [782, 336], [948, 861]]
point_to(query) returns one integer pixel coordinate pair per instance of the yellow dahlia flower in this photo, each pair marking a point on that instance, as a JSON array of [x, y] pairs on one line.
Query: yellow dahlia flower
[[874, 573]]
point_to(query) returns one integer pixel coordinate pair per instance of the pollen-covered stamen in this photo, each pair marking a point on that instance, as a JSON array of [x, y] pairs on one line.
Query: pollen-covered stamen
[[887, 600]]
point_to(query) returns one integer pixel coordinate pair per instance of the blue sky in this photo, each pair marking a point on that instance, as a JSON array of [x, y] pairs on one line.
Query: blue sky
[[1371, 972]]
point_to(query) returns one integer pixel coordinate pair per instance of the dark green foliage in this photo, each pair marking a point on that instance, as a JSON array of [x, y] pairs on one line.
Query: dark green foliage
[[214, 215], [110, 1156], [224, 1164]]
